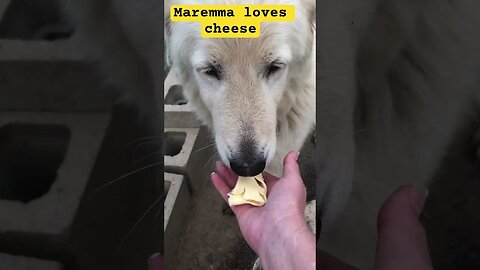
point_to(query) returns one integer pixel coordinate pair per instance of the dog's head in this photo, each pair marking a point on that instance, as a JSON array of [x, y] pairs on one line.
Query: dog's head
[[236, 85]]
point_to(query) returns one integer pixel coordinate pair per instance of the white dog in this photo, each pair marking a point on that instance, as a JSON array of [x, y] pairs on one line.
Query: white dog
[[257, 95]]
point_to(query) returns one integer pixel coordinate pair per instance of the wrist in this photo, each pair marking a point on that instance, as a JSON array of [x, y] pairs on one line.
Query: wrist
[[288, 245]]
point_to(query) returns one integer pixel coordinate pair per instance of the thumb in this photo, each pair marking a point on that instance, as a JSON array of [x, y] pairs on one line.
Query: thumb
[[290, 166], [402, 241]]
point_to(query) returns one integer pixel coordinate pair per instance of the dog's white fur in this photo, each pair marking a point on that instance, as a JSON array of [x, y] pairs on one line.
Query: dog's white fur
[[128, 45], [412, 67], [279, 112]]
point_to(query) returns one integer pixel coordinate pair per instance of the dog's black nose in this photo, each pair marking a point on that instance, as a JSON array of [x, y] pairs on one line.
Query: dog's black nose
[[248, 166]]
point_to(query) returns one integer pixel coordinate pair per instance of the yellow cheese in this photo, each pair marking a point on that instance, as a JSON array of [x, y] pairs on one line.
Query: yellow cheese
[[248, 190]]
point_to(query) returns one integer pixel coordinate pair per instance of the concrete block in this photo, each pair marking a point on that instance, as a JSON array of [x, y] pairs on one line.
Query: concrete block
[[190, 152], [42, 64], [178, 146], [201, 162], [33, 20], [39, 75], [46, 161], [178, 113], [177, 204], [11, 262], [50, 76], [55, 86], [36, 30]]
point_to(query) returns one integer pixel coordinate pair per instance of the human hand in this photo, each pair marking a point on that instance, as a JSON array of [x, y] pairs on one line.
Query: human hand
[[401, 241], [278, 225]]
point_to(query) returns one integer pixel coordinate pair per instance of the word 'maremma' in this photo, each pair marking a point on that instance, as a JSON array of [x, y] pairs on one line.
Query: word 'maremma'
[[180, 12], [215, 13]]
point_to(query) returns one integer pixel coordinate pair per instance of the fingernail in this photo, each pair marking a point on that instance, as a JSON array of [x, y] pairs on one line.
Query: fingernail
[[218, 163], [212, 173], [298, 154], [155, 261], [154, 256]]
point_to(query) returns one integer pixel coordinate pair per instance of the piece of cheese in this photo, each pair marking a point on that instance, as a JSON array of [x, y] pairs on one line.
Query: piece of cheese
[[248, 190]]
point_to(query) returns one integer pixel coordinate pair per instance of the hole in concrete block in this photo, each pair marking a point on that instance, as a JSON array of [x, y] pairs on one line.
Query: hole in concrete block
[[30, 155], [35, 20], [173, 142], [175, 96]]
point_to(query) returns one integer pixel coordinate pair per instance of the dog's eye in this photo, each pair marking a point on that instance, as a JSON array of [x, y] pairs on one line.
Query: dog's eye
[[213, 72], [273, 68]]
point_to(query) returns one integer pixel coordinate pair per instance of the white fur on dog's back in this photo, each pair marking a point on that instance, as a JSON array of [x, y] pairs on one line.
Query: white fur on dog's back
[[418, 83]]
